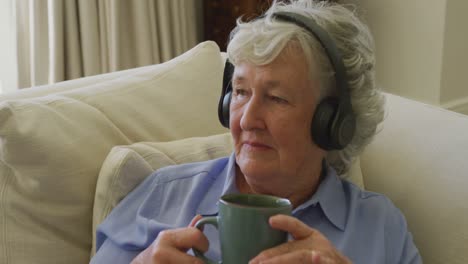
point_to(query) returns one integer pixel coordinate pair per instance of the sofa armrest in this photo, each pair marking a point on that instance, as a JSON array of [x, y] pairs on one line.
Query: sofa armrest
[[419, 159]]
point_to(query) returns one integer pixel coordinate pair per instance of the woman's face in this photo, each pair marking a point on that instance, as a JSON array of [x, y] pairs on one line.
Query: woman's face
[[270, 119]]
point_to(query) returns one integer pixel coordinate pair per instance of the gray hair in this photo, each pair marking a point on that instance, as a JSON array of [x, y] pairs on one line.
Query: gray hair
[[262, 40]]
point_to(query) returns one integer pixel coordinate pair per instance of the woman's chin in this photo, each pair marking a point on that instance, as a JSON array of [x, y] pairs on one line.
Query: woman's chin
[[254, 171]]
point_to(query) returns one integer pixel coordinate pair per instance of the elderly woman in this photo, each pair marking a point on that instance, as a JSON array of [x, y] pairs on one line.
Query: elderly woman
[[301, 106]]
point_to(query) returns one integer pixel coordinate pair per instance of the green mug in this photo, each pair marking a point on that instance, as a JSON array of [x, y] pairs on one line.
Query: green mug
[[244, 230]]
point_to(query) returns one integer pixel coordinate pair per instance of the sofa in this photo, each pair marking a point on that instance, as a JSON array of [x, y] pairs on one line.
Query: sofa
[[70, 151]]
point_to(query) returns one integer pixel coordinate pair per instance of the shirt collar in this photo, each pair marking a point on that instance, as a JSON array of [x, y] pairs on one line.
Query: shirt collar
[[331, 198], [330, 194], [230, 182], [224, 183]]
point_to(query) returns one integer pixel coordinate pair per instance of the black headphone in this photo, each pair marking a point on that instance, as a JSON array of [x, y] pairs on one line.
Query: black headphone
[[334, 122]]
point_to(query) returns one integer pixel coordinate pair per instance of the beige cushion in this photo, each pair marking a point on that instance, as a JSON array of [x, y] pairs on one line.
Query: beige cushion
[[126, 166], [420, 160], [43, 90], [52, 148]]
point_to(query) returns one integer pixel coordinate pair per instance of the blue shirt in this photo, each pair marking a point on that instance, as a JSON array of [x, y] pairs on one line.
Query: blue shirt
[[364, 226]]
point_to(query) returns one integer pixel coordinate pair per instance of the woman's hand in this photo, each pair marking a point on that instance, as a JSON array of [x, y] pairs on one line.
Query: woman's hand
[[308, 246], [171, 246]]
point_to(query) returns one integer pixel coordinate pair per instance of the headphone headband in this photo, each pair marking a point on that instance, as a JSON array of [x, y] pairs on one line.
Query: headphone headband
[[331, 51]]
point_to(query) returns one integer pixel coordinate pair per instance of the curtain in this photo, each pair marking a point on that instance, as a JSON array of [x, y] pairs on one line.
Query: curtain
[[66, 39], [8, 61]]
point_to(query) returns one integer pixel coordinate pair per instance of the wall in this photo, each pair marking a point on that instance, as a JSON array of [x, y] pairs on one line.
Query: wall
[[409, 43], [420, 48], [454, 85]]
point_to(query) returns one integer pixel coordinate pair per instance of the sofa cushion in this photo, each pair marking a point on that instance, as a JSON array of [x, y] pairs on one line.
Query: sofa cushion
[[68, 85], [52, 148]]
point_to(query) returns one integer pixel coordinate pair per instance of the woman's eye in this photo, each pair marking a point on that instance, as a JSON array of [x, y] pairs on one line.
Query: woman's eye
[[239, 92], [278, 99]]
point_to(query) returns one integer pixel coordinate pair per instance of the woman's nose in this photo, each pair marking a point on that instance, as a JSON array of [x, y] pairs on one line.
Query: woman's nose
[[253, 115]]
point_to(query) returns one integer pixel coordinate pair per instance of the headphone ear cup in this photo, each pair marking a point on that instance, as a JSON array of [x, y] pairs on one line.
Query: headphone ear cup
[[342, 130], [225, 113], [322, 122], [226, 92]]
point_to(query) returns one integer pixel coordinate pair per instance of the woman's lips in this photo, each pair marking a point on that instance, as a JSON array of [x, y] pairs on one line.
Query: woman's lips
[[256, 145]]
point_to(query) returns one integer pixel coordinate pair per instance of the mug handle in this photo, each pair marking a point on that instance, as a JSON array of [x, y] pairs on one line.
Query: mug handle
[[210, 220]]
